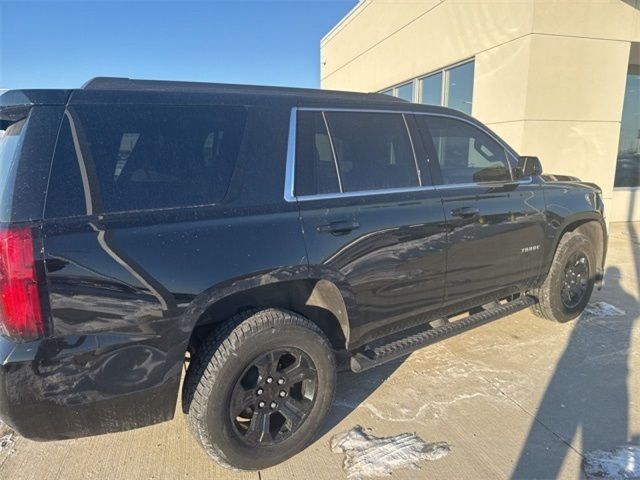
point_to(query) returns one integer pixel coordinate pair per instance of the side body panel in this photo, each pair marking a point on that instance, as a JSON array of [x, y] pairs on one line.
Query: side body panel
[[501, 248], [571, 203], [394, 262]]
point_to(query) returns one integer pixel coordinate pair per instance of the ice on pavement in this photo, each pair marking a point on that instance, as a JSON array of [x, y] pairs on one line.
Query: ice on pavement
[[622, 463], [369, 456], [602, 309]]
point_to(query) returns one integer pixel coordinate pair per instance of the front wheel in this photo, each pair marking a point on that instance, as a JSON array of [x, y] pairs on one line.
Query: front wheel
[[568, 287], [259, 389]]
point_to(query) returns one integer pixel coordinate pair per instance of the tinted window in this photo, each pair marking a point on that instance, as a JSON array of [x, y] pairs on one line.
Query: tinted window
[[9, 145], [65, 195], [315, 166], [465, 153], [130, 157], [373, 151]]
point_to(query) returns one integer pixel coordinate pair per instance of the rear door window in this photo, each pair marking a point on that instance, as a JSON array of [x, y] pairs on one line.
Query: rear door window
[[315, 166], [113, 158], [373, 151]]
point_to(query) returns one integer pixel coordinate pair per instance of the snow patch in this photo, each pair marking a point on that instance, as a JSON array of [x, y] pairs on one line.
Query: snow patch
[[368, 456], [602, 309], [622, 463], [8, 443], [7, 439], [4, 429]]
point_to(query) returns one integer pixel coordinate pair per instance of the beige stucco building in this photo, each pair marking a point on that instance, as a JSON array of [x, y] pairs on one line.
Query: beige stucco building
[[551, 77]]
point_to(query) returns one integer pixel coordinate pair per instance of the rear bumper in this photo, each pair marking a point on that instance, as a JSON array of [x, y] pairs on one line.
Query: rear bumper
[[72, 387]]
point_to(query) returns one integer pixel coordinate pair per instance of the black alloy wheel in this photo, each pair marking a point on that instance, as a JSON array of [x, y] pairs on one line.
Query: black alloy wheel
[[252, 398], [567, 288], [576, 280], [273, 396]]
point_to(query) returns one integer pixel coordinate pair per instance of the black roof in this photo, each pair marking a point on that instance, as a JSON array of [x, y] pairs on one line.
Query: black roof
[[125, 90]]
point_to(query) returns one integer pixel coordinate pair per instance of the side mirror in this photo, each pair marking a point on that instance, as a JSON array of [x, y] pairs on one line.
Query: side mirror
[[528, 167]]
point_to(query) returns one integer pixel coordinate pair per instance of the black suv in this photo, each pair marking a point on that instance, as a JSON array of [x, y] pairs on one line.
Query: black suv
[[266, 237]]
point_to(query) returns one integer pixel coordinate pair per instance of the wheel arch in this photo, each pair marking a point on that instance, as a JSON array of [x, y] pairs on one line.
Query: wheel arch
[[318, 299], [592, 227]]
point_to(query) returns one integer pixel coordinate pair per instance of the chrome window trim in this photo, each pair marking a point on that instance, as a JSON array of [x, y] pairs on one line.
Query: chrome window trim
[[363, 193], [289, 175], [289, 188], [333, 152], [413, 150]]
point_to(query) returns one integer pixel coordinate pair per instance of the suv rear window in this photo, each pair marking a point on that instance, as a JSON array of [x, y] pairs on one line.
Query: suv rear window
[[113, 158]]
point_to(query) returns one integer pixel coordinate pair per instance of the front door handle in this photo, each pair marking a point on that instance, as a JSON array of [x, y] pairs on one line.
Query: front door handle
[[465, 212], [338, 228]]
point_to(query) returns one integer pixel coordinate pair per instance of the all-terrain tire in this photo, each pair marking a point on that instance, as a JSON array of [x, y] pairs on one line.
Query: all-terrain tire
[[219, 365], [550, 303]]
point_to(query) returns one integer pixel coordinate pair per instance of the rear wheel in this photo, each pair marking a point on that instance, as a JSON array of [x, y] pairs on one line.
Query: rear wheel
[[568, 287], [259, 388]]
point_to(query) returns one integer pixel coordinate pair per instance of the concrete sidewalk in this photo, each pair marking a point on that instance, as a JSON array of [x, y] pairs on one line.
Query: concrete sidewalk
[[520, 397]]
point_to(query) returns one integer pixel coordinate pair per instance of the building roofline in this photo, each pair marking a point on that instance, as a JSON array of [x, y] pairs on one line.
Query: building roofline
[[351, 13]]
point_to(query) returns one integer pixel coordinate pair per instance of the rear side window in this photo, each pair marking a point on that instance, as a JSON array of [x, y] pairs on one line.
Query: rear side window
[[465, 153], [10, 145], [373, 150], [112, 158], [316, 169], [10, 140]]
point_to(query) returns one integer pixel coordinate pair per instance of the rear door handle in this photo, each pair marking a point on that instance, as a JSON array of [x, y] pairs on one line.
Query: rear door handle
[[338, 228], [465, 212]]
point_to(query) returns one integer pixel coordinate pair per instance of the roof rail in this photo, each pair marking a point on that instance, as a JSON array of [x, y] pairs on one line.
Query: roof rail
[[107, 83], [122, 83]]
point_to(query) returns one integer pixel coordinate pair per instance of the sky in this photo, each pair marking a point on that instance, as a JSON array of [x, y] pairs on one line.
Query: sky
[[56, 44]]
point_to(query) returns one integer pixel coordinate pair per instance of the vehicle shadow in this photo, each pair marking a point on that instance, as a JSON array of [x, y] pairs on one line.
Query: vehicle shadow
[[588, 395], [353, 389]]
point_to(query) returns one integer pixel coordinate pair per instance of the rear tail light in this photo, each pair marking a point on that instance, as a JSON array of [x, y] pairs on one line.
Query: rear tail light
[[20, 314]]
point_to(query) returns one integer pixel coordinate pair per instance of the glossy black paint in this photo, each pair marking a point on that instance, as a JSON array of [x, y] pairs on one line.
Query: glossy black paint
[[123, 292], [486, 251], [569, 203], [393, 263]]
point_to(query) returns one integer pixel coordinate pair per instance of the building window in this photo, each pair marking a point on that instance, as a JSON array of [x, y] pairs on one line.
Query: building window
[[451, 87], [628, 165], [405, 92], [431, 89], [459, 86]]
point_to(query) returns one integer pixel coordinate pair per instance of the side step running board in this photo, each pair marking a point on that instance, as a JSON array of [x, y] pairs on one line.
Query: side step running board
[[373, 356]]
